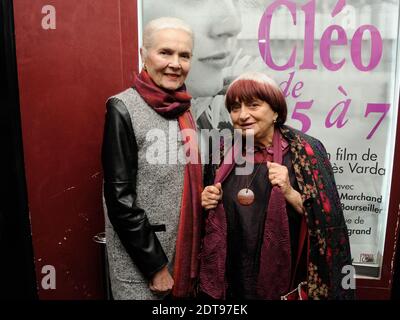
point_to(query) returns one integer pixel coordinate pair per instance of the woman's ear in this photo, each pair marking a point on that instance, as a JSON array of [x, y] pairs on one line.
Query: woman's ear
[[143, 57], [143, 53]]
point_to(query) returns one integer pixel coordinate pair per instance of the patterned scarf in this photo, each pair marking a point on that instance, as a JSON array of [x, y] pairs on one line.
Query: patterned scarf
[[175, 105], [329, 241]]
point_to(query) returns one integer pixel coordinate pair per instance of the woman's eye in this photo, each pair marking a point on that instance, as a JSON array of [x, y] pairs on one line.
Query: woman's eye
[[164, 52]]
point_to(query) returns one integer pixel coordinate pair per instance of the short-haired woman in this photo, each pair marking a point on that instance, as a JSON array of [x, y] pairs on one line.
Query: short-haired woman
[[280, 225]]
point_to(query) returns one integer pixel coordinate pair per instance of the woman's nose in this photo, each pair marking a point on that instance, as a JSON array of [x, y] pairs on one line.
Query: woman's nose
[[226, 19], [243, 115], [174, 62]]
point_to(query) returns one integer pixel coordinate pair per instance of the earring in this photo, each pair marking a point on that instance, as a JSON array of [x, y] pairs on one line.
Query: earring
[[274, 121]]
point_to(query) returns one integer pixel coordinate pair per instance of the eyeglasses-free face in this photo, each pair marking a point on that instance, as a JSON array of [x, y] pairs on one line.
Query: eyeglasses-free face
[[216, 25], [168, 59], [255, 118]]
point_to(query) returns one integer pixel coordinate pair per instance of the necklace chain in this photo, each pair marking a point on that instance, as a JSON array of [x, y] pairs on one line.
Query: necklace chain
[[255, 173]]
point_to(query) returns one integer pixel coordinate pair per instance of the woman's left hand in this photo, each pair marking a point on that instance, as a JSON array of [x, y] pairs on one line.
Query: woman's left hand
[[210, 196], [278, 175]]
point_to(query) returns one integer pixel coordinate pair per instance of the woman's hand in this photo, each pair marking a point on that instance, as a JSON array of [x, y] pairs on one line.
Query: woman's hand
[[210, 196], [278, 175], [162, 281]]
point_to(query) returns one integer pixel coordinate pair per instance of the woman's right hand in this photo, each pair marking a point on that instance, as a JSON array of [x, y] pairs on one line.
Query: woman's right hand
[[162, 281], [210, 196]]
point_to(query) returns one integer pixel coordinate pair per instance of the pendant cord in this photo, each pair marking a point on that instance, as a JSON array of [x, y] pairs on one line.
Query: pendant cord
[[255, 173]]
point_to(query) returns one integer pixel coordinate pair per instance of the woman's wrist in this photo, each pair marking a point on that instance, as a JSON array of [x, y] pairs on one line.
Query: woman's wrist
[[294, 198]]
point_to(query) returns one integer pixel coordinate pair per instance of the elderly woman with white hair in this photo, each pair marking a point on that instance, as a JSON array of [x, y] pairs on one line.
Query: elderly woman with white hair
[[216, 25], [153, 208], [280, 228]]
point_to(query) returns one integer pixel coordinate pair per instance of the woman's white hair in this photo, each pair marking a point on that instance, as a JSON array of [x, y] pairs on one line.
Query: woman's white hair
[[161, 24], [258, 77]]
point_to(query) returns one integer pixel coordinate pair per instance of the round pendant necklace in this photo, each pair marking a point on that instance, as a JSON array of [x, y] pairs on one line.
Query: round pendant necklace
[[245, 196]]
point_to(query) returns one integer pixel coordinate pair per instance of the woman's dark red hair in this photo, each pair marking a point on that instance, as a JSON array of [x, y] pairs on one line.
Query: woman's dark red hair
[[247, 90]]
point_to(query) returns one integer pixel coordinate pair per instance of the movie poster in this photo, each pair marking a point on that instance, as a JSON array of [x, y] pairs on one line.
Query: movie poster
[[335, 61]]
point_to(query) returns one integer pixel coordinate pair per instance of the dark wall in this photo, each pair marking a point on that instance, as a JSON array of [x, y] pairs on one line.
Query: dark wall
[[17, 276], [65, 76]]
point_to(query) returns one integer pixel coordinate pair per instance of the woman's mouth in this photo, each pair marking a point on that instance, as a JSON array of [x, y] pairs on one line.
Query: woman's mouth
[[172, 76], [246, 126], [218, 60]]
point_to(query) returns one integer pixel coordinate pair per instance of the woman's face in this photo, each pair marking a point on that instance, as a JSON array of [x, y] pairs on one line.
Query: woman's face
[[215, 25], [168, 59], [256, 116]]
